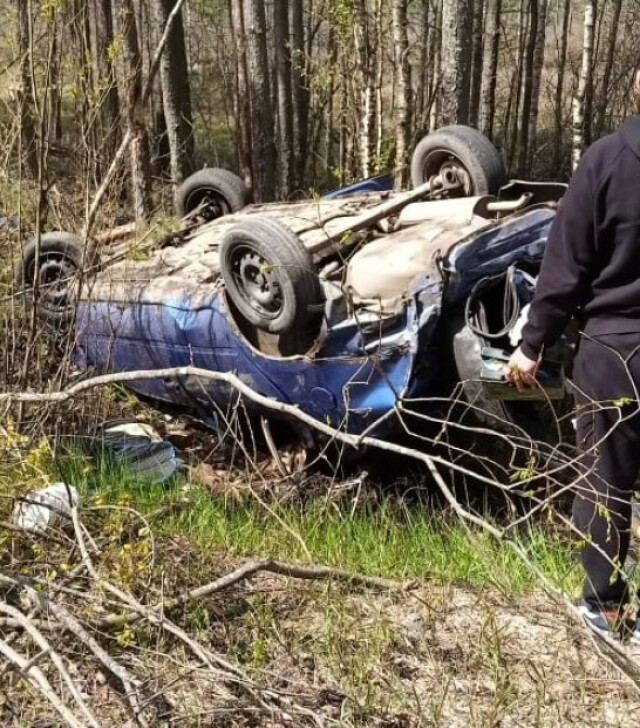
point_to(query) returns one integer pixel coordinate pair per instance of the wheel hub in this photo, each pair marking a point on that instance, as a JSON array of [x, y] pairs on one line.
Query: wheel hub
[[54, 278], [258, 283]]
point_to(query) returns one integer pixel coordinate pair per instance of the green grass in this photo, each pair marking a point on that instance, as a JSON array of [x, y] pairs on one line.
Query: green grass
[[386, 539]]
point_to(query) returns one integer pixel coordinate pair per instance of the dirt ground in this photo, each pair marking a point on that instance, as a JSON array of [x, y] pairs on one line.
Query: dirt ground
[[439, 656]]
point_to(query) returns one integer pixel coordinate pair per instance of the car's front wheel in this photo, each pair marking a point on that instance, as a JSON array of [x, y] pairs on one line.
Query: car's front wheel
[[48, 271]]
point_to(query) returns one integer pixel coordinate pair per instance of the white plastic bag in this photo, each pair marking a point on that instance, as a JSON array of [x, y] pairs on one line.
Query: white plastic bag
[[46, 508]]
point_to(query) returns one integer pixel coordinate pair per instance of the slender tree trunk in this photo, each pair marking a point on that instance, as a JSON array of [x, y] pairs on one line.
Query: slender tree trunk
[[107, 82], [456, 60], [26, 102], [527, 84], [516, 94], [366, 66], [425, 69], [587, 126], [263, 149], [536, 78], [403, 89], [282, 44], [300, 90], [477, 38], [584, 80], [139, 150], [603, 95], [81, 37], [435, 58], [176, 94], [241, 102], [558, 105], [490, 67], [379, 114]]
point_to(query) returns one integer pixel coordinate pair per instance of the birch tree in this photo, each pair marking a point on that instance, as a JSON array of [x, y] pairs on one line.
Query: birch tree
[[584, 80], [403, 87], [455, 61]]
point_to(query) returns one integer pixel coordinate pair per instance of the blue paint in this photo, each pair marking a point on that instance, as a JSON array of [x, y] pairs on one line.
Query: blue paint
[[359, 374]]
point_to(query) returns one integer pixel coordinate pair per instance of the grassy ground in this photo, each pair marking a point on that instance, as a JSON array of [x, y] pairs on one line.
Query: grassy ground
[[475, 643]]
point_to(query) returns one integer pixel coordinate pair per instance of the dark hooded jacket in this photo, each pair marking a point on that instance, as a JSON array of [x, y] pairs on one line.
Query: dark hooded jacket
[[592, 256]]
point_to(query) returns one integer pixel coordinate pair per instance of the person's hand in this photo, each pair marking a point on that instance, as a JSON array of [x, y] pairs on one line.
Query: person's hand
[[521, 370]]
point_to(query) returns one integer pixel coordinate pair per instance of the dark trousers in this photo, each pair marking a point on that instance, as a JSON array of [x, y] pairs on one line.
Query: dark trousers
[[607, 369]]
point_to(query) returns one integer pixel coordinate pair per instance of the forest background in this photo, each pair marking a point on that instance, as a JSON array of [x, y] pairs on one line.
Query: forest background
[[296, 96]]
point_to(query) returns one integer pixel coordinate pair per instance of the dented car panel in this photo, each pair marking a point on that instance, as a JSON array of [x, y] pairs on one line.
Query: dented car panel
[[348, 383], [360, 367]]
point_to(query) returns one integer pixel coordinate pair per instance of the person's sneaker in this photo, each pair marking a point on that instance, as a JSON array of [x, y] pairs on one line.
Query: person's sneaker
[[603, 621]]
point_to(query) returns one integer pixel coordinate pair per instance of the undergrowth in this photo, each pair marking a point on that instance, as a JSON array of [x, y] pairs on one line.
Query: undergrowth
[[378, 536]]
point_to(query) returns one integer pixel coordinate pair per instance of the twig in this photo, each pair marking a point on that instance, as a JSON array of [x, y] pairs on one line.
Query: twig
[[37, 678]]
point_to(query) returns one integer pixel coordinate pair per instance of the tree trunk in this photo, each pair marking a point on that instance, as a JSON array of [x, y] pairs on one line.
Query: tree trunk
[[139, 150], [477, 36], [558, 105], [107, 83], [456, 59], [586, 73], [516, 93], [403, 89], [26, 102], [263, 150], [603, 95], [366, 77], [587, 126], [425, 69], [403, 86], [435, 57], [527, 84], [490, 67], [536, 78], [282, 44], [176, 94], [242, 106], [300, 91]]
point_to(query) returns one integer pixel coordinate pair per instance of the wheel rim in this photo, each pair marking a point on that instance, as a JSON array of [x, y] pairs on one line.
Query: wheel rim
[[256, 282], [208, 202], [446, 164], [55, 277]]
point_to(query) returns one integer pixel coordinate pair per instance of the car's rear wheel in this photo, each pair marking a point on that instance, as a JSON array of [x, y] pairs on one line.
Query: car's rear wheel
[[463, 151], [52, 268], [269, 276], [211, 193]]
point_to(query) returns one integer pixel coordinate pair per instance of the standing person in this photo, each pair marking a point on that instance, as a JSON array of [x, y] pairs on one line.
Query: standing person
[[591, 266]]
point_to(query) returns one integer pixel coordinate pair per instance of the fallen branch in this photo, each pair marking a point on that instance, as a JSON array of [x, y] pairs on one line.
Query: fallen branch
[[250, 569]]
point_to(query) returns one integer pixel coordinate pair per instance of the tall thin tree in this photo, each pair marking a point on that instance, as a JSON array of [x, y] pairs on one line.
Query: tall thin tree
[[176, 94], [584, 80], [456, 61]]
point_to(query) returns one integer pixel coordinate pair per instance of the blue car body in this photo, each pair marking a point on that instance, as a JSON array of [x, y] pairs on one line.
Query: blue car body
[[361, 368]]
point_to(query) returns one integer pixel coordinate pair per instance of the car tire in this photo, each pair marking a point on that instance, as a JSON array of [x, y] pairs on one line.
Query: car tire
[[214, 192], [269, 276], [465, 149], [61, 258]]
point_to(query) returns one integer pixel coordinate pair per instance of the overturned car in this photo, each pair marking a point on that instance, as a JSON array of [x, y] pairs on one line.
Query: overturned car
[[348, 307]]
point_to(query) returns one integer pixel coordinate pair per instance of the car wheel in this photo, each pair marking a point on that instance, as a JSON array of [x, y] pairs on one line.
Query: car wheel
[[269, 276], [211, 193], [59, 260], [463, 150]]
